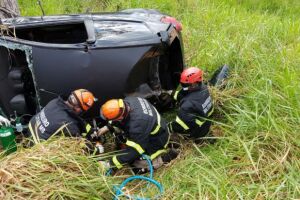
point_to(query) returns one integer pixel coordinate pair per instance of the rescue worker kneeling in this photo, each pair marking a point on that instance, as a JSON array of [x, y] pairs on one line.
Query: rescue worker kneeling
[[60, 116], [195, 106], [144, 130]]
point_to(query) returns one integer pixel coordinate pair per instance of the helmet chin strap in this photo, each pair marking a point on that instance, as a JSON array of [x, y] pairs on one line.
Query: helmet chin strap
[[125, 112], [191, 87], [73, 101]]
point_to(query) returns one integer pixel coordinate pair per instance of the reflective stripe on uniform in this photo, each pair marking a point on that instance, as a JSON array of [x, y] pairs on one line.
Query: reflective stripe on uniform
[[170, 127], [211, 112], [158, 123], [35, 137], [116, 162], [88, 127], [169, 136], [199, 122], [176, 95], [181, 123], [156, 154], [136, 146]]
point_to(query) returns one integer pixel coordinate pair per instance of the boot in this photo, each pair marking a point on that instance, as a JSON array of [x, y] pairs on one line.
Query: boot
[[170, 155]]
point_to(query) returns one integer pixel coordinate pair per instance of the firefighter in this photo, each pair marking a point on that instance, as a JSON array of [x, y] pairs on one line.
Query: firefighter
[[4, 121], [195, 106], [144, 131], [60, 116]]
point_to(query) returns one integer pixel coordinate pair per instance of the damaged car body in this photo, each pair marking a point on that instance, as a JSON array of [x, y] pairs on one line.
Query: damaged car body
[[132, 52]]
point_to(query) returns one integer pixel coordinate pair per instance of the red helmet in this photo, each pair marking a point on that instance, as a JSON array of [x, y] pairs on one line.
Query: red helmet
[[172, 20], [191, 75]]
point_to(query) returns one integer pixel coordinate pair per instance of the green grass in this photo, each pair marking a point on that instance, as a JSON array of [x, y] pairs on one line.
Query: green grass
[[258, 153]]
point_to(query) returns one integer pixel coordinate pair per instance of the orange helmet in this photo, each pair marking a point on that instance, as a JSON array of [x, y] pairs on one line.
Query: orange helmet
[[84, 98], [113, 109]]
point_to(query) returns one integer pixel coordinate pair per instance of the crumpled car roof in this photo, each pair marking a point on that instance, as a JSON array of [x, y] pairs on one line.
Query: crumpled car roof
[[111, 29]]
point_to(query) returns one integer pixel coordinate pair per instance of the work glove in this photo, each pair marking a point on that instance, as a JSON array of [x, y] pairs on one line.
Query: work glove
[[102, 131], [104, 165], [120, 141], [99, 147], [170, 155], [4, 121]]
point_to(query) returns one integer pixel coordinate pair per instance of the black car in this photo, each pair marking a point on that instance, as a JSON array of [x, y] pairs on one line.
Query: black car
[[132, 52]]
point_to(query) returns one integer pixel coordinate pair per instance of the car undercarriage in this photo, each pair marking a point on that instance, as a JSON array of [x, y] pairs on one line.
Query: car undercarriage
[[127, 53]]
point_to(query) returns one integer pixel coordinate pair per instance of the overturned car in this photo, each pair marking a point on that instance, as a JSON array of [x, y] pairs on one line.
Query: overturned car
[[133, 52]]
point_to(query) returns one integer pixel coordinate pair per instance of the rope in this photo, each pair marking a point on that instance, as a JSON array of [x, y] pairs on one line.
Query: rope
[[118, 189]]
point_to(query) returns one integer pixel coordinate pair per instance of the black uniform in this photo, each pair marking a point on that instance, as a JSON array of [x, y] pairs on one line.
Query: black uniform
[[195, 107], [56, 118], [145, 132]]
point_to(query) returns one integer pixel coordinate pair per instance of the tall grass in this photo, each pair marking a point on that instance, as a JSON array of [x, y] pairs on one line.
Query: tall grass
[[257, 155], [58, 169]]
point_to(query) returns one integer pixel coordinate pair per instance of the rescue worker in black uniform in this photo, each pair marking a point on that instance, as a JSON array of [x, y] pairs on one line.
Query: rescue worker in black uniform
[[195, 106], [144, 129], [60, 116]]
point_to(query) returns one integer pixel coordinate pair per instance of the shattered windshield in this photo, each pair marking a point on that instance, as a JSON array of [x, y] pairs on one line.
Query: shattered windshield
[[118, 29]]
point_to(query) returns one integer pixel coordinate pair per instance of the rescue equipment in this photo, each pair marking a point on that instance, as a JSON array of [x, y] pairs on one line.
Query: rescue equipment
[[7, 138], [119, 189]]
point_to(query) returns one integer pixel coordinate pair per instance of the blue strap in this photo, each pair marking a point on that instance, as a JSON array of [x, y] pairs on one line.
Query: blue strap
[[108, 172]]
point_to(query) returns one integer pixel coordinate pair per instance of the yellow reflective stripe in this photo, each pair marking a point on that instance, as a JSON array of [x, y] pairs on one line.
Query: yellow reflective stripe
[[116, 162], [181, 123], [158, 123], [35, 137], [88, 127], [170, 127], [153, 156], [169, 136], [211, 112], [121, 103], [199, 122], [176, 95], [136, 146], [155, 130]]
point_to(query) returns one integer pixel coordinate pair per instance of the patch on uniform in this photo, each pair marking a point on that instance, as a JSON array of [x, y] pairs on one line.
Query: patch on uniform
[[207, 105], [42, 121], [145, 106]]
